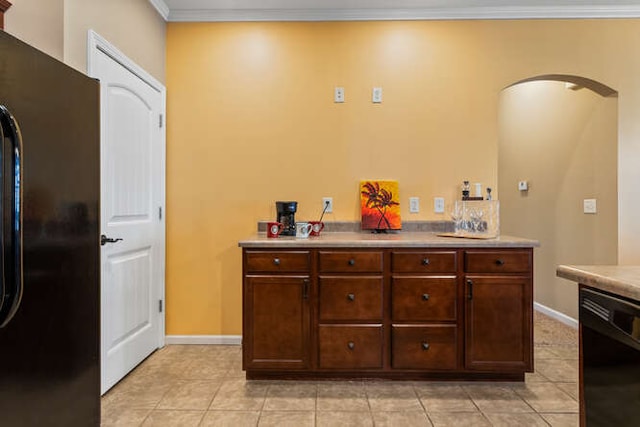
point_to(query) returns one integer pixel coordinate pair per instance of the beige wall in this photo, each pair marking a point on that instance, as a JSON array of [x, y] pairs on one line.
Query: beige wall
[[39, 23], [59, 28], [133, 26], [564, 143], [251, 120]]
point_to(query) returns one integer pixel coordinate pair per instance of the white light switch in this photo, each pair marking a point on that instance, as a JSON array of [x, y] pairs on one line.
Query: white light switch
[[589, 206], [438, 204], [414, 204], [376, 95], [523, 186], [338, 94]]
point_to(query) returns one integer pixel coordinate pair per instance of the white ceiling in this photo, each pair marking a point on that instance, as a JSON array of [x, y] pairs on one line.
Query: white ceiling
[[340, 10]]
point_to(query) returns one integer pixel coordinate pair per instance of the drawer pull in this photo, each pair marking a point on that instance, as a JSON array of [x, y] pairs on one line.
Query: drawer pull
[[425, 261], [425, 346], [352, 261], [351, 345], [276, 261], [499, 262], [425, 297], [351, 297], [470, 286]]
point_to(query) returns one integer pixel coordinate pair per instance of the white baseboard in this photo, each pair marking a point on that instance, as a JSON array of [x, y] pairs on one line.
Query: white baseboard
[[204, 339], [560, 317]]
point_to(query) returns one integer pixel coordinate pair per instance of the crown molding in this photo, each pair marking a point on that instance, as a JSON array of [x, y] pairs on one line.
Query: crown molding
[[161, 7], [512, 12]]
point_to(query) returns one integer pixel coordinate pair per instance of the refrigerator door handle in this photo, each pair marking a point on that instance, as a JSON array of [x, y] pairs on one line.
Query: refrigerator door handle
[[12, 273]]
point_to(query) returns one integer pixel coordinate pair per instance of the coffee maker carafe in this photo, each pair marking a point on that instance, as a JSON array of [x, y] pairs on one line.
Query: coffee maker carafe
[[286, 216]]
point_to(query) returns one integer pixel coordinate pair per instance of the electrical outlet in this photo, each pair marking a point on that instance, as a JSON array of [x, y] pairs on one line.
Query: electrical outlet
[[338, 94], [414, 204], [329, 201], [438, 204]]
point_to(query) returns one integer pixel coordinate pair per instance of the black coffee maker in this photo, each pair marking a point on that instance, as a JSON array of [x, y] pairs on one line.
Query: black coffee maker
[[287, 217]]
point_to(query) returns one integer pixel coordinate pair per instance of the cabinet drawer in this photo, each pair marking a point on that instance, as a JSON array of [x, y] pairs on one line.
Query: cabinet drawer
[[423, 298], [423, 262], [497, 261], [350, 347], [351, 298], [346, 262], [424, 347], [278, 261]]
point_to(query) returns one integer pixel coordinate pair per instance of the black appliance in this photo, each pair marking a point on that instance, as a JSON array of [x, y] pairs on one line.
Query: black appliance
[[610, 341], [287, 217], [50, 259]]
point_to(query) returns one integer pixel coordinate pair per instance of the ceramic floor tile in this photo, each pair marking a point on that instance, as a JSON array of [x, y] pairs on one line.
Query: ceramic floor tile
[[291, 396], [571, 389], [445, 398], [562, 420], [344, 419], [240, 395], [341, 396], [496, 398], [164, 418], [516, 420], [196, 395], [123, 417], [390, 396], [230, 419], [401, 419], [535, 377], [546, 397], [461, 419], [558, 370], [564, 352], [287, 419]]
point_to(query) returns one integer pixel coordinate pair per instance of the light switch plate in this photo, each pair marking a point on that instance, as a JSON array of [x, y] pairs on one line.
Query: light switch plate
[[523, 186], [376, 95], [589, 206], [414, 204], [438, 204]]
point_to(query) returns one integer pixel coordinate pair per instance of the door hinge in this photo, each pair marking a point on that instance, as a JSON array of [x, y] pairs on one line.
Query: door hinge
[[160, 120], [160, 212], [160, 306]]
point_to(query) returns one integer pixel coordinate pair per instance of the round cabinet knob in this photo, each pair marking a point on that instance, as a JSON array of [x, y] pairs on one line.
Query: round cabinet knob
[[425, 297], [425, 261], [351, 297], [499, 262], [276, 261], [352, 261], [425, 346], [351, 345]]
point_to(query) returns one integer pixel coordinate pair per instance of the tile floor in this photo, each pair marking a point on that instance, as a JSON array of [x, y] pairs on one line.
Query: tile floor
[[205, 386]]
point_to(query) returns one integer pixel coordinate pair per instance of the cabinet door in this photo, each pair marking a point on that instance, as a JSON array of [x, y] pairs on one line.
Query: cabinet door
[[276, 322], [498, 323]]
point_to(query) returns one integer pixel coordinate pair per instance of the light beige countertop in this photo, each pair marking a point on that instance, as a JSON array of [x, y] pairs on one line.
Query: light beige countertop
[[402, 239], [621, 280]]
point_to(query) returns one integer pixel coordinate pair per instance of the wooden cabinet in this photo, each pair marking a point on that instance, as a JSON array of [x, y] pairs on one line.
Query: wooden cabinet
[[498, 308], [403, 313], [424, 310], [276, 310]]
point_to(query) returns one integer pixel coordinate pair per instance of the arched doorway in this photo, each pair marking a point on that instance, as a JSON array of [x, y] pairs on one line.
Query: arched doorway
[[559, 133]]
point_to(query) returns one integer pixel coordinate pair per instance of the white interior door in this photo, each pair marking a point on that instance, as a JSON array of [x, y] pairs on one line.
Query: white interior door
[[132, 202]]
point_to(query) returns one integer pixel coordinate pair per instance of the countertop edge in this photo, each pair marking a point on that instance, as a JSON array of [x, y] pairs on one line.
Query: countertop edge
[[365, 240], [616, 284]]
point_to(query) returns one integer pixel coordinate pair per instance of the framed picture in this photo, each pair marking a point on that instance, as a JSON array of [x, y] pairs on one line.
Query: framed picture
[[380, 205]]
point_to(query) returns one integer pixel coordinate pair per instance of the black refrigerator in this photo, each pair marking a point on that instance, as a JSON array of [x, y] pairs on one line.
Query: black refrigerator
[[50, 249]]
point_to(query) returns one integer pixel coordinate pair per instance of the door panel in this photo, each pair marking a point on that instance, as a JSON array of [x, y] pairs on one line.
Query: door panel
[[132, 176]]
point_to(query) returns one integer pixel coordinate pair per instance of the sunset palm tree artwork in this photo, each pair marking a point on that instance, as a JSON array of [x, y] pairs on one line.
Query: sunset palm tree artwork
[[379, 205]]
